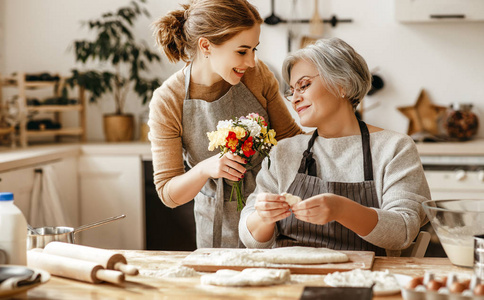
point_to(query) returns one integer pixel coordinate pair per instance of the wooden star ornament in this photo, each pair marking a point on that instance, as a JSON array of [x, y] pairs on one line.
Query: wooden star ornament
[[423, 115]]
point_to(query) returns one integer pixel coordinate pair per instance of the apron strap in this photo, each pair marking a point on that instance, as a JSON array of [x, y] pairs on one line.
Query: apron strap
[[308, 163], [367, 162], [187, 71], [218, 214]]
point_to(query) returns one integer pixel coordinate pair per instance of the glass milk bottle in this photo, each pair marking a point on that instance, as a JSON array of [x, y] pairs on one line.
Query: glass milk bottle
[[13, 232]]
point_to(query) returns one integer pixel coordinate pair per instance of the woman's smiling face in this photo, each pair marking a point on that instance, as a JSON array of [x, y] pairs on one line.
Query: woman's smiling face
[[231, 59], [316, 104]]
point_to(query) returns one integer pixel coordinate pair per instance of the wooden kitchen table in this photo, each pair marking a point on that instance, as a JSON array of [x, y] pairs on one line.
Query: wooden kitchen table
[[152, 287]]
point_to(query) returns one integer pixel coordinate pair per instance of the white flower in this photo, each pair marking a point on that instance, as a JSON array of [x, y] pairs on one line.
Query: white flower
[[225, 124], [252, 126]]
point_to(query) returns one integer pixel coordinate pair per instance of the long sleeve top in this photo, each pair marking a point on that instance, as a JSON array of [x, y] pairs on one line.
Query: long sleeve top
[[166, 115], [398, 174]]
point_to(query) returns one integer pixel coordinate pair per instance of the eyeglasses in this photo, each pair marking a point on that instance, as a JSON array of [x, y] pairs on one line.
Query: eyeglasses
[[301, 86]]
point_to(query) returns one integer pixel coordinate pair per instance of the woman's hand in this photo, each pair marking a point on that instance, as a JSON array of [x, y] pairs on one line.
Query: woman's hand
[[228, 166], [319, 209], [271, 208]]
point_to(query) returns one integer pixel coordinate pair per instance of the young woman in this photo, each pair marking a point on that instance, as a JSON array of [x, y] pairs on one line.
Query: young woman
[[361, 186], [222, 79]]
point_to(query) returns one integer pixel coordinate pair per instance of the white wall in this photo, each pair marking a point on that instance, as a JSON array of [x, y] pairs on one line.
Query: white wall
[[446, 59]]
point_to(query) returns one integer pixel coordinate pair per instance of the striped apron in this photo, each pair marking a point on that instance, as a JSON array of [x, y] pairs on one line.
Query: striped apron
[[294, 232]]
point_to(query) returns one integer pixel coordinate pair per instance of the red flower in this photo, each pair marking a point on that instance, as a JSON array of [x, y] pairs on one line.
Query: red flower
[[247, 147], [232, 141]]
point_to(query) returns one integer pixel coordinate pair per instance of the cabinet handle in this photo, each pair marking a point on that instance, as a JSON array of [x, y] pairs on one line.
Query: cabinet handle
[[460, 175], [447, 16], [480, 175]]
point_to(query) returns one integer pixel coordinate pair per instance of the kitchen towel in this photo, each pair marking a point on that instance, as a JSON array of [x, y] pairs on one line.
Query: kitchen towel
[[45, 203]]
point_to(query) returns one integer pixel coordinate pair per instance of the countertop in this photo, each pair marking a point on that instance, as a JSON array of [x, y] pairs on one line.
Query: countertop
[[22, 157], [152, 287]]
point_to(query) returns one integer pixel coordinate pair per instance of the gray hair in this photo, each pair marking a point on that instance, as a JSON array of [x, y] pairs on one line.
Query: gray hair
[[339, 66]]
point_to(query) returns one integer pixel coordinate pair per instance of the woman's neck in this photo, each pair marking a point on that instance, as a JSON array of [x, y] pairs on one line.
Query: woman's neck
[[202, 72], [340, 125]]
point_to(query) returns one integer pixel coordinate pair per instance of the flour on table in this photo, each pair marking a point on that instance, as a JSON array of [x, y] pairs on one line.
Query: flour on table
[[173, 272], [300, 255], [247, 277], [383, 280], [291, 199]]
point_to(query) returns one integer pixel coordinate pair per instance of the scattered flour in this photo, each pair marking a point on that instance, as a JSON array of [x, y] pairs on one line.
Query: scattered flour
[[383, 280], [173, 272]]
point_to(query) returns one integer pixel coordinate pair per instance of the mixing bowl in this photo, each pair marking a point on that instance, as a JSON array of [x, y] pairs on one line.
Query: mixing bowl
[[456, 222]]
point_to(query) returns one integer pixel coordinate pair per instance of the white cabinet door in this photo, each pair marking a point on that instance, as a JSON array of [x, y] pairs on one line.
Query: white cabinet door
[[111, 185], [439, 10], [455, 184], [20, 182]]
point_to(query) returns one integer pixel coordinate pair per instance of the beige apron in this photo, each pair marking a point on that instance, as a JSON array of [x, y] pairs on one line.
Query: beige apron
[[216, 217], [294, 232]]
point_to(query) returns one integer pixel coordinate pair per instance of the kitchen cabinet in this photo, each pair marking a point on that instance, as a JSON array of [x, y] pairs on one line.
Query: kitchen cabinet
[[439, 10], [24, 89], [111, 185], [21, 181]]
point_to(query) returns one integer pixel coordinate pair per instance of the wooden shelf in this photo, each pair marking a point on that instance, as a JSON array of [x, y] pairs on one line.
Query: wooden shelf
[[54, 108], [54, 132], [23, 86], [4, 131]]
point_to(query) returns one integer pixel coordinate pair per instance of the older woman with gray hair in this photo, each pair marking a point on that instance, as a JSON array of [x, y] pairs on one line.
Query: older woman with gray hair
[[361, 186]]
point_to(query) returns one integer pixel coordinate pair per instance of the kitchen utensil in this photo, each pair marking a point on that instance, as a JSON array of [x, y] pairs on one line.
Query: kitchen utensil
[[455, 223], [108, 259], [357, 259], [32, 229], [316, 26], [61, 234], [18, 279], [73, 268], [479, 256]]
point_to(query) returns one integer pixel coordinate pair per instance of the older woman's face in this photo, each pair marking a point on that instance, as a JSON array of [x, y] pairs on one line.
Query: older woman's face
[[316, 105]]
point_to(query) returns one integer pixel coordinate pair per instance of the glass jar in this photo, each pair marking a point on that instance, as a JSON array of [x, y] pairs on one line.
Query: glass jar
[[143, 126], [460, 121]]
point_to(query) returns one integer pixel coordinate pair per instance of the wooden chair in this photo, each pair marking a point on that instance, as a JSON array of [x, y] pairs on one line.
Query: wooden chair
[[419, 247]]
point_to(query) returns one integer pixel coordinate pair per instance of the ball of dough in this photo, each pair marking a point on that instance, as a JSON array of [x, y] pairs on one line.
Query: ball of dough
[[291, 199]]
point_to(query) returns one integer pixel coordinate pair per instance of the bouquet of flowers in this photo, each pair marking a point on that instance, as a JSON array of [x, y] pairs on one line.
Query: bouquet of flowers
[[243, 136]]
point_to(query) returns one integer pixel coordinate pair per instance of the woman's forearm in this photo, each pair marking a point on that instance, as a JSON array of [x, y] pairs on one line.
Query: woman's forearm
[[356, 217], [185, 187], [261, 232]]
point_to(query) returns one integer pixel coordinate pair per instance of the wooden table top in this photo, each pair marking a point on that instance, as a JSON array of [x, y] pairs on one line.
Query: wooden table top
[[152, 287]]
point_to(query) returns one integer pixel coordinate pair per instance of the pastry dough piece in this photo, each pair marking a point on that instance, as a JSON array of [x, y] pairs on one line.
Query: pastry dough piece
[[300, 255], [291, 199], [247, 277]]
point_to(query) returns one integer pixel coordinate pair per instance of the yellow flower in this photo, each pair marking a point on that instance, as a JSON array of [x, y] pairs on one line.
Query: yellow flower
[[239, 132], [270, 137], [263, 130], [217, 138]]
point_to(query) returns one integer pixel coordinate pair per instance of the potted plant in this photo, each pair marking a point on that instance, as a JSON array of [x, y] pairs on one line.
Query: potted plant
[[123, 60]]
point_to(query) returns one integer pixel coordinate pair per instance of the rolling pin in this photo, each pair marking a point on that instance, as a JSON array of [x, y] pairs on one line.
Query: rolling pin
[[108, 259], [73, 268]]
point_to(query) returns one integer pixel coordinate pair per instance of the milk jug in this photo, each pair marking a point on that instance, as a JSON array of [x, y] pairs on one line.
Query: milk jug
[[13, 232]]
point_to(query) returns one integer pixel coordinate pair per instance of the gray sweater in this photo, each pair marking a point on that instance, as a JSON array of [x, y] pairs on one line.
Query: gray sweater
[[399, 178]]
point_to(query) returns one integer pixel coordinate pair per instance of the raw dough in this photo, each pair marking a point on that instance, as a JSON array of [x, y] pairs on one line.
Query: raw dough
[[247, 277], [291, 199], [383, 281], [300, 255]]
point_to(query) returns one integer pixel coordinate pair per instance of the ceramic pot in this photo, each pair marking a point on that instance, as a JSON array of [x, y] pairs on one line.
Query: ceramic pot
[[118, 128]]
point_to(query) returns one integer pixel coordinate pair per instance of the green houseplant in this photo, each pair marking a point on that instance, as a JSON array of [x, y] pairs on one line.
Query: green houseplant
[[122, 60]]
